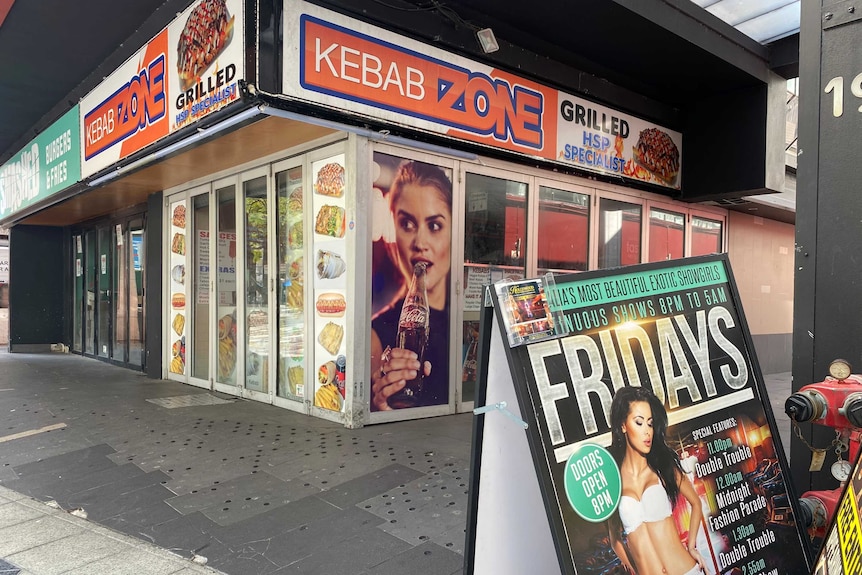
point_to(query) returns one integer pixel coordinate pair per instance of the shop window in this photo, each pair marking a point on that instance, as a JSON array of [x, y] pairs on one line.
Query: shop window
[[77, 316], [564, 230], [666, 235], [619, 233], [256, 282], [120, 282], [705, 236], [200, 286], [494, 248], [291, 302], [226, 284], [137, 319], [495, 221]]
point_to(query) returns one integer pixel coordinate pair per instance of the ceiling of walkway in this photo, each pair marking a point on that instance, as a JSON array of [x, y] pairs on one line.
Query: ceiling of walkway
[[52, 52]]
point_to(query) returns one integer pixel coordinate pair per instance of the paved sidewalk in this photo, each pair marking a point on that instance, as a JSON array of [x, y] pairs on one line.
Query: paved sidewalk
[[253, 488], [166, 472], [37, 539]]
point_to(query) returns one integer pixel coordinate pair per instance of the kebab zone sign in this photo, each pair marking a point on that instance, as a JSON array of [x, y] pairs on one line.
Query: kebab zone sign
[[189, 70], [343, 63]]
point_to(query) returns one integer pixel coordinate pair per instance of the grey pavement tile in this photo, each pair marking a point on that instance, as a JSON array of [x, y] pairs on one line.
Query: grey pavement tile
[[354, 491], [118, 493], [353, 555], [7, 494], [319, 536], [50, 444], [184, 535], [7, 568], [276, 522], [81, 461], [454, 539], [63, 490], [23, 536], [426, 559], [138, 519], [132, 561], [233, 489], [13, 513], [56, 557]]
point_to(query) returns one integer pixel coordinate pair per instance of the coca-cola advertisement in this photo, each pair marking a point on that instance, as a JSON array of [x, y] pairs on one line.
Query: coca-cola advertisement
[[411, 255]]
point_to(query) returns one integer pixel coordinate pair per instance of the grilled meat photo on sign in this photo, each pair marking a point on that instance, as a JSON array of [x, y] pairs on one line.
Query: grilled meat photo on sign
[[330, 180], [207, 32], [656, 152], [179, 219], [330, 221]]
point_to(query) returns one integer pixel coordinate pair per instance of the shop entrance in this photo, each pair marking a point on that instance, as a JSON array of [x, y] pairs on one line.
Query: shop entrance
[[108, 306]]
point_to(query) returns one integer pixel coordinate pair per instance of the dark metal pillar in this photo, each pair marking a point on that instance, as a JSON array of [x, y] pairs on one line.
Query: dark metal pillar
[[827, 321]]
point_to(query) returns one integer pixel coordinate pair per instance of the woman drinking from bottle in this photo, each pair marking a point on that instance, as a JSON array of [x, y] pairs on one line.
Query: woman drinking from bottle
[[420, 202]]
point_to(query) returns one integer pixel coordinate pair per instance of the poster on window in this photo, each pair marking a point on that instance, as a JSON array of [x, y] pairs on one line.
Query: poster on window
[[329, 206], [411, 254], [650, 432], [177, 285]]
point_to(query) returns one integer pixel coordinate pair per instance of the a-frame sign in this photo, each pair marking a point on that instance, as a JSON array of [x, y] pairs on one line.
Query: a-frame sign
[[554, 490]]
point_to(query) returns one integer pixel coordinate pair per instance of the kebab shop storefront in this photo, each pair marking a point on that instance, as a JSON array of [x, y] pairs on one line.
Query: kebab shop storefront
[[300, 258]]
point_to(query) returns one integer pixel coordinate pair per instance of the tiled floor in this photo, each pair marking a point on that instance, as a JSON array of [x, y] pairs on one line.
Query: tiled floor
[[251, 487]]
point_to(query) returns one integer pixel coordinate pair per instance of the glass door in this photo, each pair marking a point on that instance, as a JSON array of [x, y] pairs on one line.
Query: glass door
[[563, 227], [495, 247], [120, 289], [256, 280], [136, 259], [91, 279], [225, 285], [104, 307], [198, 283], [290, 374], [78, 301], [620, 227], [666, 233]]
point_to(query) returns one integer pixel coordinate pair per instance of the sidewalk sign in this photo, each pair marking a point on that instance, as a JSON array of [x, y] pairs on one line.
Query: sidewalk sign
[[545, 499]]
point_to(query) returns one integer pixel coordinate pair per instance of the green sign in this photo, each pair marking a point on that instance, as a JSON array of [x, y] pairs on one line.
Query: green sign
[[592, 482], [50, 163], [631, 286]]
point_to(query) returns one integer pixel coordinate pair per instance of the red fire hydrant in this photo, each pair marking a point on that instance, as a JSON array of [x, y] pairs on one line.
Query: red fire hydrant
[[835, 402]]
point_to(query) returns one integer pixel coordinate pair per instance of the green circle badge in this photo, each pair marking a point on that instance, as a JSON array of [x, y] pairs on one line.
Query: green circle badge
[[592, 481]]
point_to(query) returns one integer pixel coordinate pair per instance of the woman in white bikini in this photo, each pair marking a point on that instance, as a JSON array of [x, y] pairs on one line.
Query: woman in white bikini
[[652, 479]]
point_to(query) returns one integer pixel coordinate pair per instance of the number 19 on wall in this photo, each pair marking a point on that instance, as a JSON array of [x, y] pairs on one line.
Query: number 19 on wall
[[836, 87]]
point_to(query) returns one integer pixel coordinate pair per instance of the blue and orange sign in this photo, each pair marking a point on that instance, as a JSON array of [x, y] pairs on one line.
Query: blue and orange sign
[[338, 61], [135, 114], [346, 64]]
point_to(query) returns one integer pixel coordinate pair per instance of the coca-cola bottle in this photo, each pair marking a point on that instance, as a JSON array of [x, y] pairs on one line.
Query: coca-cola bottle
[[413, 327]]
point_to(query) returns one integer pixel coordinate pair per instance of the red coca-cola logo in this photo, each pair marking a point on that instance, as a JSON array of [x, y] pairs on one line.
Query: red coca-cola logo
[[414, 316]]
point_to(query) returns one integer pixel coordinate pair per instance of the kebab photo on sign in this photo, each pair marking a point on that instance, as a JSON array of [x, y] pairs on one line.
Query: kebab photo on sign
[[206, 34]]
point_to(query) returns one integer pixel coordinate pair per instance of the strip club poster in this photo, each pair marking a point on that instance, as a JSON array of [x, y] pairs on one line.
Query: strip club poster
[[648, 429]]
